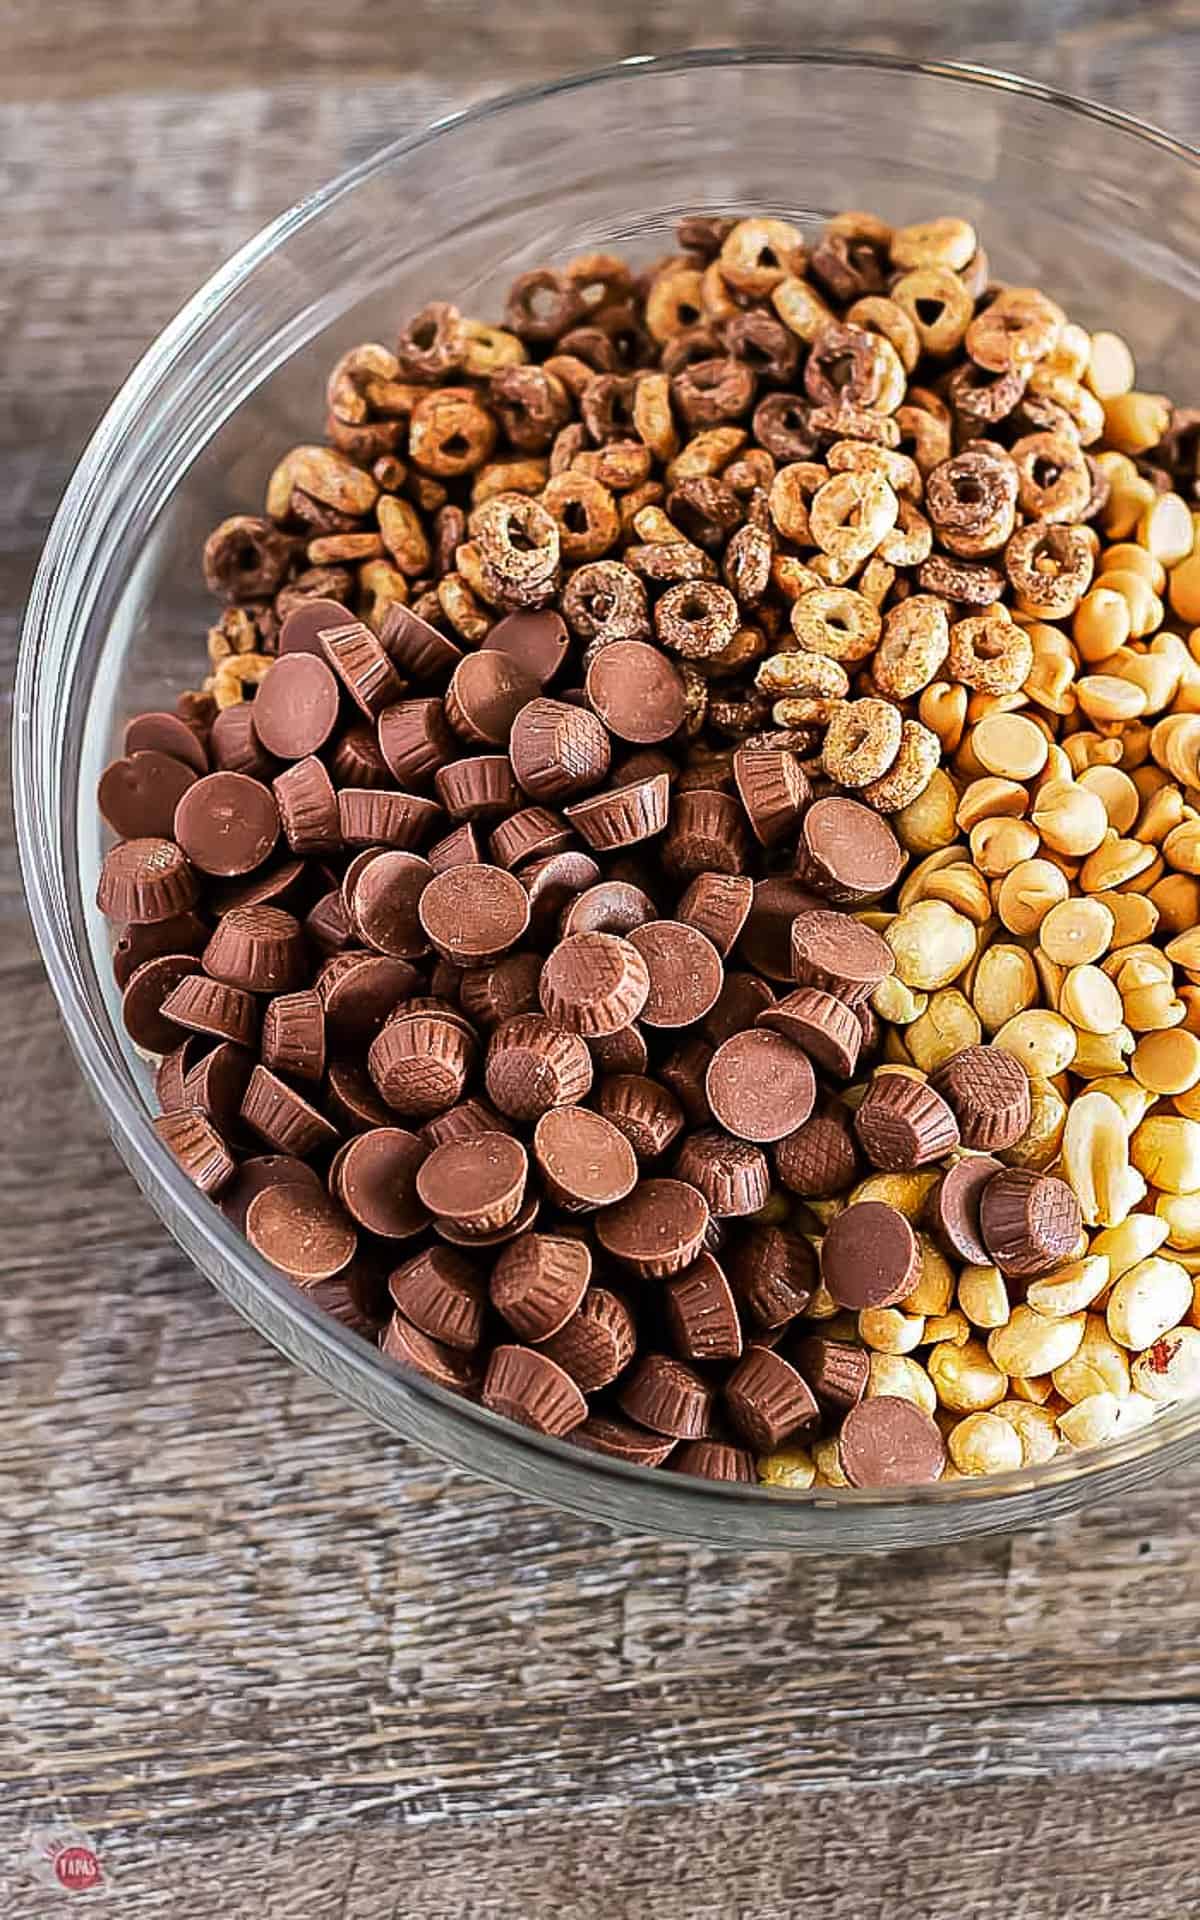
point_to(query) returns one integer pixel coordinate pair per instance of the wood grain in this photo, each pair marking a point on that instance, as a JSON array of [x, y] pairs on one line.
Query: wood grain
[[278, 1665]]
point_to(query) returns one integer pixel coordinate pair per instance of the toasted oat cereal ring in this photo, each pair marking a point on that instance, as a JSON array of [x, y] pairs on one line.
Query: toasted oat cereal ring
[[914, 644], [837, 622], [1020, 327], [990, 652], [939, 306], [862, 741]]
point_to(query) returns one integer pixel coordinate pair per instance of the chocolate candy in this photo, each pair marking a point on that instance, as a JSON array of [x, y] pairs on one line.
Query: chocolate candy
[[254, 1176], [293, 1035], [774, 790], [537, 642], [258, 948], [594, 983], [713, 1460], [870, 1256], [614, 906], [359, 990], [283, 1117], [385, 908], [142, 1001], [760, 1087], [847, 852], [301, 1231], [667, 1397], [621, 1441], [539, 1282], [718, 904], [585, 1161], [597, 1342], [636, 692], [820, 1025], [301, 631], [645, 1111], [477, 1182], [766, 939], [376, 1182], [707, 834], [836, 953], [702, 1313], [486, 693], [886, 1442], [419, 650], [530, 834], [558, 750], [165, 733], [473, 914], [144, 881], [774, 1273], [622, 816], [952, 1210], [209, 1006], [837, 1372], [419, 1063], [440, 1292], [733, 1175], [138, 796], [768, 1399], [657, 1230], [741, 999], [226, 824], [362, 665], [533, 1065], [197, 1146], [988, 1091], [819, 1160], [685, 973], [296, 707], [1030, 1222], [308, 808], [182, 933], [902, 1124], [433, 1359], [490, 995], [528, 1387]]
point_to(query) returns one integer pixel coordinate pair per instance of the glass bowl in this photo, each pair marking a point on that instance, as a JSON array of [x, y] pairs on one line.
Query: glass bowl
[[1103, 212]]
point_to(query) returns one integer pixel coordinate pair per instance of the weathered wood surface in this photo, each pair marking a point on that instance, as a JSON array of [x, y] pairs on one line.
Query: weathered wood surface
[[279, 1666]]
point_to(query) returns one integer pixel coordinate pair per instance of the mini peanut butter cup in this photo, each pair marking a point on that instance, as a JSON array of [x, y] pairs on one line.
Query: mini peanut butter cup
[[594, 983], [664, 1395], [145, 881], [234, 746], [209, 1006], [847, 852], [259, 1172], [622, 1052], [888, 1442], [768, 1400], [434, 1359], [531, 834], [308, 808], [536, 641], [686, 974], [539, 1282], [440, 1292], [1030, 1222], [420, 1065], [478, 1181], [368, 817], [733, 1175], [217, 1086], [620, 1440], [870, 1256], [355, 866], [684, 1072], [585, 1161], [657, 1230], [173, 1069], [463, 1122], [713, 1460], [165, 733], [837, 954], [613, 906], [486, 693], [327, 924], [903, 1124], [718, 904], [773, 1271], [528, 1387], [552, 883], [952, 1209], [301, 630], [824, 1028], [596, 1343], [773, 788], [533, 1065], [836, 1371], [283, 1117], [471, 915], [137, 796], [386, 904], [357, 762], [706, 834], [351, 1099], [766, 938], [362, 665], [301, 1231], [702, 1313], [481, 788], [557, 749], [293, 1035], [460, 1236], [415, 741], [489, 995], [258, 948], [760, 1086], [142, 1013], [988, 1091], [741, 999], [622, 816], [274, 885], [637, 692], [296, 706], [197, 1146], [645, 1111], [419, 650], [820, 1159], [182, 933], [359, 990], [376, 1182], [458, 848], [227, 824]]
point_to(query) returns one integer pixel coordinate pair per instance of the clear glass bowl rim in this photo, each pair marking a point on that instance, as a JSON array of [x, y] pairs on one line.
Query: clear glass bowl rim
[[505, 1453]]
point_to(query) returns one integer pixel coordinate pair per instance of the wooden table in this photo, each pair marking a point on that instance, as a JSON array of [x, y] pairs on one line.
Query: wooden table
[[278, 1666]]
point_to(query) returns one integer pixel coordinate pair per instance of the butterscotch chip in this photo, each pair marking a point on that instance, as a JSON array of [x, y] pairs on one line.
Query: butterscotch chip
[[528, 1387], [667, 1397], [702, 1313], [768, 1399], [902, 1124], [594, 983], [539, 1281]]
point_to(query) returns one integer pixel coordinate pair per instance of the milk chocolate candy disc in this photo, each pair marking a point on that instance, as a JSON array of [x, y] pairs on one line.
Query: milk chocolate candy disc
[[301, 1231], [847, 852], [685, 971], [419, 650], [760, 1087], [301, 631], [227, 823], [471, 915], [774, 790], [886, 1442], [142, 1002], [836, 1371], [952, 1210], [719, 905], [585, 1161], [182, 933], [742, 998], [645, 1111], [486, 693], [870, 1256], [1030, 1222], [657, 1230], [819, 1160], [296, 707], [834, 952], [533, 1065], [622, 816], [825, 1028], [988, 1091], [733, 1175], [766, 939], [637, 692], [614, 906], [478, 1182], [166, 733], [434, 1359], [537, 642], [362, 666], [376, 1182], [283, 1117], [903, 1123], [707, 834]]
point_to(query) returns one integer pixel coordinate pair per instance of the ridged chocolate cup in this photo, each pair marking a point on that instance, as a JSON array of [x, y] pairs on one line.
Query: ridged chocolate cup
[[820, 1159], [480, 788], [172, 1072], [441, 1293], [359, 991], [706, 834], [368, 817], [236, 748], [768, 1400], [667, 1397], [539, 1281], [486, 692], [293, 1035], [773, 788], [458, 848], [385, 909], [489, 995], [585, 1162], [760, 1086], [308, 808], [458, 1236], [733, 1175], [142, 1001], [463, 1122], [645, 1111], [478, 1181], [530, 834], [713, 1460], [434, 1359], [657, 1230], [420, 1065], [823, 1027], [837, 954], [903, 1124], [612, 906], [847, 853], [198, 1148], [889, 1442], [594, 983], [1030, 1222], [951, 1212], [258, 948], [836, 1371], [209, 1006], [620, 1440], [533, 1065], [415, 741], [773, 1271], [597, 1343], [363, 667], [419, 650], [166, 733], [622, 816], [766, 939], [356, 761], [283, 1117], [622, 1052], [718, 904], [328, 926], [870, 1256], [557, 749], [142, 881], [684, 1072], [264, 1170], [351, 1099], [988, 1091], [217, 1085], [702, 1313], [528, 1387]]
